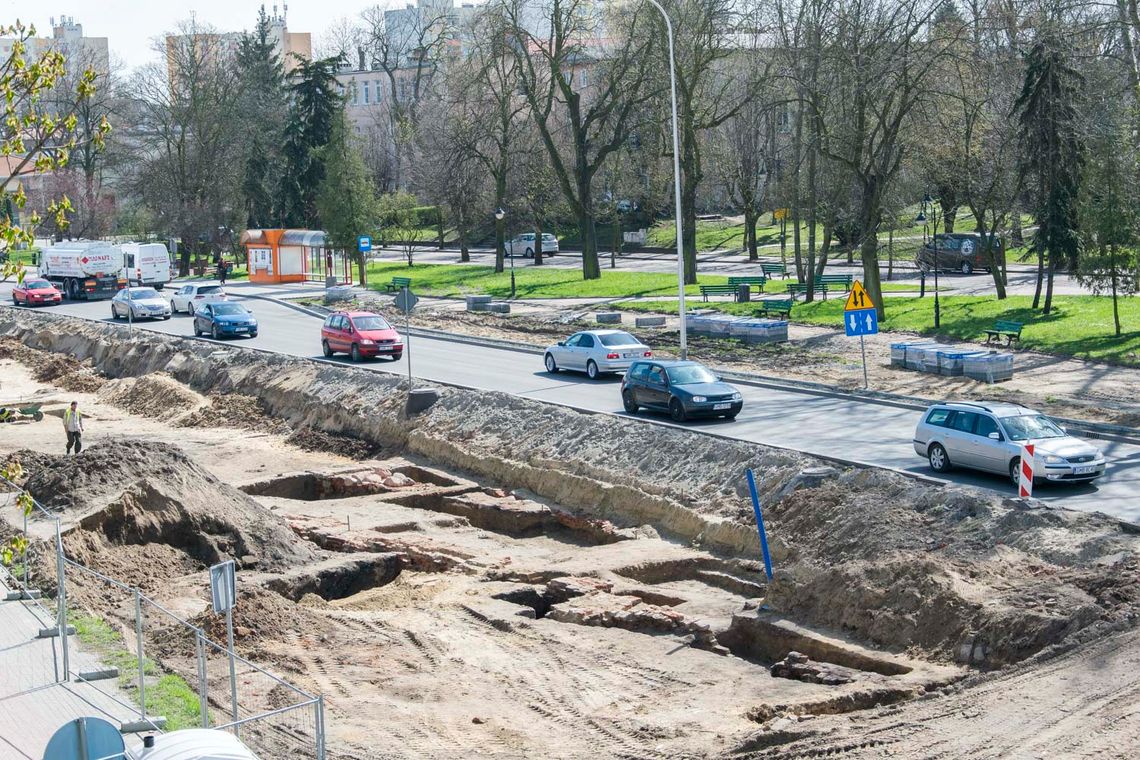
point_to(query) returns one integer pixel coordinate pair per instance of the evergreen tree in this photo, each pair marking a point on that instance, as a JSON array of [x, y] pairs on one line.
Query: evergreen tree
[[316, 105], [1048, 114], [345, 199], [263, 85]]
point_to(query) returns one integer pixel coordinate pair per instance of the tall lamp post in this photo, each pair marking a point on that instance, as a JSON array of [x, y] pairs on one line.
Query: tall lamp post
[[499, 215], [926, 199], [676, 180]]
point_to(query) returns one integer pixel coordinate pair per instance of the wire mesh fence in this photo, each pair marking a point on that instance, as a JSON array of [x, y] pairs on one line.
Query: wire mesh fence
[[165, 664]]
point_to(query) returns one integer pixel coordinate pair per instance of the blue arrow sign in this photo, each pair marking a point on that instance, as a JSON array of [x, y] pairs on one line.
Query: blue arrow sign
[[364, 243], [861, 322]]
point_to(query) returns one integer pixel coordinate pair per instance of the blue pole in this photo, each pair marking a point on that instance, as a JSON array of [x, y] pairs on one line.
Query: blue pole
[[760, 524]]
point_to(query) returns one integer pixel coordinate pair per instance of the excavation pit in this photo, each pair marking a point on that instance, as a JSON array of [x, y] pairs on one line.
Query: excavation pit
[[346, 484], [338, 578]]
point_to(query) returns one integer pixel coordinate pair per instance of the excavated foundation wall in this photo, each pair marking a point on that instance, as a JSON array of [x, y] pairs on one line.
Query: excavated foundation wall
[[876, 529]]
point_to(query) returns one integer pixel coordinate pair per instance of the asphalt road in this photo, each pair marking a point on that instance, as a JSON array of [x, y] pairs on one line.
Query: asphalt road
[[867, 432]]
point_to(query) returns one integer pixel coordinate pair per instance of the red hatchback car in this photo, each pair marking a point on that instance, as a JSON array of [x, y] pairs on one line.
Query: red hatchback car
[[360, 334], [35, 292]]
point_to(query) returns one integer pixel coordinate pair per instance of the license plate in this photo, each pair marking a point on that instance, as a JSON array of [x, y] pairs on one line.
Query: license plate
[[628, 356], [721, 406], [1084, 470], [383, 348], [241, 329]]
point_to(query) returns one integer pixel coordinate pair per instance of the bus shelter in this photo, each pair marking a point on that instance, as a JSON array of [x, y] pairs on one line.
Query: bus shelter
[[279, 256]]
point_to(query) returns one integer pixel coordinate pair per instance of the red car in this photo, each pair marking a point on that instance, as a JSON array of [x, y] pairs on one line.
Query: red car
[[360, 334], [35, 292]]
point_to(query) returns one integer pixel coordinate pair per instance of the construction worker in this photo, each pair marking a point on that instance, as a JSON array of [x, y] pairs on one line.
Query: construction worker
[[73, 424]]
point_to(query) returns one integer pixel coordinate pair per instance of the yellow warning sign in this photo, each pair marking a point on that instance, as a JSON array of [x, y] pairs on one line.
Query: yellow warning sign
[[858, 298]]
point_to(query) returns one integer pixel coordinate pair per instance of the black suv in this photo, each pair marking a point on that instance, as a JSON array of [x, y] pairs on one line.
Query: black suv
[[958, 252], [684, 389]]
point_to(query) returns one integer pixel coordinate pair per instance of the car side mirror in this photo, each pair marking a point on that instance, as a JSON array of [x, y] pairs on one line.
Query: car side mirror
[[562, 343], [1063, 429], [995, 435]]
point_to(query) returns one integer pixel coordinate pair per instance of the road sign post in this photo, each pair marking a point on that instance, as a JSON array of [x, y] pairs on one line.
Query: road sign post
[[406, 300], [223, 595], [364, 243], [860, 318]]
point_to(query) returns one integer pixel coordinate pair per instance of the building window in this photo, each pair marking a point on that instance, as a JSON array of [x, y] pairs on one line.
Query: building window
[[355, 94], [583, 79], [367, 98]]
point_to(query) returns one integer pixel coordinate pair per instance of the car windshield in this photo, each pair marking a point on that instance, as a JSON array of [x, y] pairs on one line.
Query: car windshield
[[688, 374], [141, 294], [37, 284], [370, 323], [618, 339], [1031, 426], [210, 289], [229, 308]]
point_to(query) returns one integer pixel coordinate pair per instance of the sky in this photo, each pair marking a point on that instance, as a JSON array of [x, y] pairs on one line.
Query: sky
[[132, 25]]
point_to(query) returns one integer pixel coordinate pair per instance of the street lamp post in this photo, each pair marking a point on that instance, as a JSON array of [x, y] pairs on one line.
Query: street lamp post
[[934, 242], [676, 179], [499, 215]]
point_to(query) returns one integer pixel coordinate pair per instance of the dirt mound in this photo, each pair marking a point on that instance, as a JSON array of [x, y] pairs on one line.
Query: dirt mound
[[235, 410], [140, 492], [31, 461], [156, 395], [59, 369], [311, 439]]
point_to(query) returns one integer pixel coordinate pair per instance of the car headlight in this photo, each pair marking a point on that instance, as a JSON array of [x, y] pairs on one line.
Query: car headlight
[[1052, 459], [699, 399], [368, 343], [736, 397]]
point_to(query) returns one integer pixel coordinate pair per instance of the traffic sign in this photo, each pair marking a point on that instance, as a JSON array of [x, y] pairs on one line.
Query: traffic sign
[[223, 592], [364, 243], [861, 322], [858, 298], [406, 300]]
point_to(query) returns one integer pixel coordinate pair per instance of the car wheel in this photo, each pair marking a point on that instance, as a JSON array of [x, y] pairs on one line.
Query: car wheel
[[173, 308], [197, 332], [190, 308], [165, 316], [967, 268], [591, 370], [396, 357], [939, 461], [551, 365], [14, 301], [114, 312], [1015, 472], [326, 349], [356, 352], [677, 410], [215, 333], [628, 402], [529, 254]]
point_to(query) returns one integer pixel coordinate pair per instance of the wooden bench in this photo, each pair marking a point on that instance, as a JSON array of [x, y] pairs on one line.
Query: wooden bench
[[1004, 328], [717, 290], [756, 282], [826, 281], [801, 288], [398, 283], [771, 270], [777, 306]]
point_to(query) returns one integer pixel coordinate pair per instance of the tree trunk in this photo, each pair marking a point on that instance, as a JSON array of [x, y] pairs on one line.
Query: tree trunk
[[588, 232], [750, 232], [824, 249], [500, 243], [440, 230], [988, 251], [1115, 305], [362, 268], [464, 251], [890, 254], [1040, 270], [1049, 270], [537, 243], [615, 249], [1016, 237], [869, 252], [689, 229], [813, 207]]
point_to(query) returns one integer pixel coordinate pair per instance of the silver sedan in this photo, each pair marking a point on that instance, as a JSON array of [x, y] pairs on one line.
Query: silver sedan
[[596, 352], [139, 303]]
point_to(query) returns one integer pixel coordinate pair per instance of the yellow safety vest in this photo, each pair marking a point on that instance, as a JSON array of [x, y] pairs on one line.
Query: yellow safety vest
[[68, 415]]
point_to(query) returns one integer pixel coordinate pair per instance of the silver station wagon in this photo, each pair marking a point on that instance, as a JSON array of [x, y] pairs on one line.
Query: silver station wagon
[[990, 436]]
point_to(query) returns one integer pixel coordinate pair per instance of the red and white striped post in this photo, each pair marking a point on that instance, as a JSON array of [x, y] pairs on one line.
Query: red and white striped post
[[1025, 487]]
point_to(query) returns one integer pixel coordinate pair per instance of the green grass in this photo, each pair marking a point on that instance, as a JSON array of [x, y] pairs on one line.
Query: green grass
[[169, 696], [1080, 326]]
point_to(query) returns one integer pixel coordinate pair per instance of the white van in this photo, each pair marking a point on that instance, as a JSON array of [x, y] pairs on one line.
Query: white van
[[146, 264]]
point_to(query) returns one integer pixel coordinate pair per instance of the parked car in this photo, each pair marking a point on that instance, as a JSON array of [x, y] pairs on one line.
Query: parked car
[[34, 291], [192, 295], [958, 252], [524, 244], [360, 334], [224, 319], [684, 389], [139, 303], [596, 352], [990, 436]]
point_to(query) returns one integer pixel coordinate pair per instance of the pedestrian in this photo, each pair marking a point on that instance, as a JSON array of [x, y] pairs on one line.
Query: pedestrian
[[73, 424], [222, 270]]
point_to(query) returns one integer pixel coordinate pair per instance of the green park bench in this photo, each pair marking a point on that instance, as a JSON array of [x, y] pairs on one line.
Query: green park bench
[[755, 282], [833, 282], [717, 290], [801, 289], [1004, 328], [772, 270], [398, 283], [775, 306]]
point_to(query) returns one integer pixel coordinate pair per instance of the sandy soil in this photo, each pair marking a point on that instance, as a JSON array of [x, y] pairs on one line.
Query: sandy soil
[[594, 599], [1063, 387]]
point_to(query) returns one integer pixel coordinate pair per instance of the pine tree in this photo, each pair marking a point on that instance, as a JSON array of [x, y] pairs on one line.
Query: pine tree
[[345, 199], [315, 108], [263, 114], [1053, 153]]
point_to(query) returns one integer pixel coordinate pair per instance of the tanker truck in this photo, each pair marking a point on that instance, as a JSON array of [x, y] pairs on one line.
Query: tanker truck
[[83, 269]]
